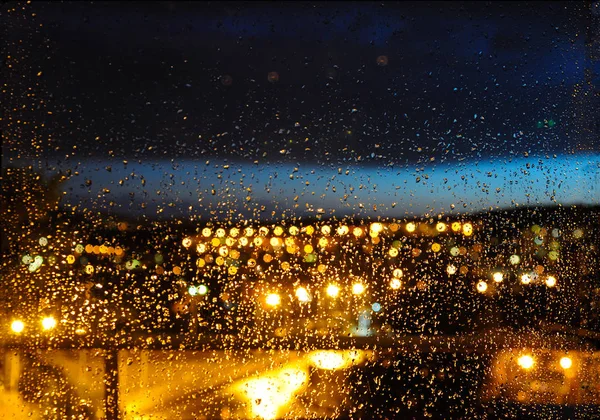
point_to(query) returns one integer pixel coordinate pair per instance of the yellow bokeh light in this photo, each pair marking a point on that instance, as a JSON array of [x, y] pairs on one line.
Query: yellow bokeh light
[[17, 326], [308, 249], [278, 231], [223, 251], [358, 288], [206, 232], [436, 247], [397, 273], [273, 299], [551, 281], [566, 362], [302, 294], [333, 290], [395, 284], [393, 252], [451, 269], [187, 242], [234, 232], [456, 226], [342, 230], [498, 276], [482, 287], [526, 361], [269, 394], [411, 227], [440, 227], [376, 227], [276, 242], [215, 242], [357, 232], [326, 230], [48, 323], [467, 229], [323, 242], [221, 233], [336, 359], [525, 278]]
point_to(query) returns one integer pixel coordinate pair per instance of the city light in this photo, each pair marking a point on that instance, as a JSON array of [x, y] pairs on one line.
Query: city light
[[273, 299], [526, 362], [411, 227], [376, 227], [17, 326], [566, 362], [526, 278], [551, 281], [482, 287], [498, 277], [48, 323], [440, 227], [467, 229], [302, 295], [395, 284], [333, 290], [358, 288]]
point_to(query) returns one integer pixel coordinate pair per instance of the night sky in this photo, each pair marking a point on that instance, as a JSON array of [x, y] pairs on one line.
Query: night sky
[[169, 83]]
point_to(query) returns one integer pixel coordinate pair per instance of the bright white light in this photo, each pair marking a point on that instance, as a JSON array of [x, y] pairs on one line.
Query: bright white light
[[202, 290], [551, 281], [395, 284], [482, 286], [48, 323], [17, 326], [358, 288], [566, 362], [333, 290], [193, 290], [302, 294], [526, 278], [526, 361], [498, 277], [273, 299]]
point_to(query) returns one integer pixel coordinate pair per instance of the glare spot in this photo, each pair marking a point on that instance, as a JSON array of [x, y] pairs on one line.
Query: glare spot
[[303, 295], [395, 284], [498, 276], [48, 323], [17, 326], [526, 361], [566, 362], [333, 290], [551, 281], [525, 278], [482, 287], [358, 288], [273, 299]]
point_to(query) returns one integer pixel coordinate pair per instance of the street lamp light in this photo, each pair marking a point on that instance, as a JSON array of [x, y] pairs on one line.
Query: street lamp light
[[17, 326], [48, 323]]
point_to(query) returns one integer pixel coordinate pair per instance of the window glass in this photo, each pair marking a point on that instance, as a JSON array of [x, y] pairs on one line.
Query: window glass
[[300, 210]]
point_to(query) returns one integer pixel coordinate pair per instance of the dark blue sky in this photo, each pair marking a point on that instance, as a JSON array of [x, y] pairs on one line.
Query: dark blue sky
[[463, 80], [144, 82]]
